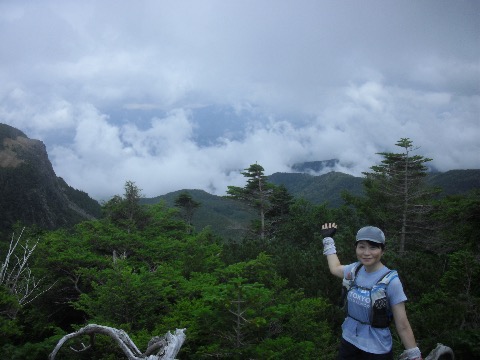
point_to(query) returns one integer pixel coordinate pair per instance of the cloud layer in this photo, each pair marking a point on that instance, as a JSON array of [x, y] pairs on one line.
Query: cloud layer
[[177, 95]]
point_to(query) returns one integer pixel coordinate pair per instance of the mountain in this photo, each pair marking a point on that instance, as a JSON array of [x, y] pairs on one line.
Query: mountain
[[328, 187], [315, 166], [319, 189], [228, 218], [455, 181], [30, 191]]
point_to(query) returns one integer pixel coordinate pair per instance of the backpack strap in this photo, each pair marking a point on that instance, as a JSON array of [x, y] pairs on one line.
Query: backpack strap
[[352, 274], [348, 282], [381, 314], [389, 276]]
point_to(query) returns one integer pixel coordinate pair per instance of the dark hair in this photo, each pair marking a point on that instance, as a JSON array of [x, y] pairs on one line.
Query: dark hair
[[372, 243]]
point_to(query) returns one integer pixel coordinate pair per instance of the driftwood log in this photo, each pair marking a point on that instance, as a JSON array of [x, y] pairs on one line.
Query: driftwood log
[[441, 352], [159, 347]]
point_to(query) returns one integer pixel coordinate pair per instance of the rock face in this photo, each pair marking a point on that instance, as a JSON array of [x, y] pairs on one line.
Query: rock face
[[30, 191]]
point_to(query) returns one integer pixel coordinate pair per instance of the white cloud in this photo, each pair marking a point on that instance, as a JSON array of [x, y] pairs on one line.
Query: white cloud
[[114, 89]]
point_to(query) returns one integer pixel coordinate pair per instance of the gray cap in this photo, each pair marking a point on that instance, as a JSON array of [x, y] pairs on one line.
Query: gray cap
[[371, 233]]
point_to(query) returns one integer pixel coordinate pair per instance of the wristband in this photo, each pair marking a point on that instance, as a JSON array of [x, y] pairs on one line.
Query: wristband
[[329, 246], [413, 353]]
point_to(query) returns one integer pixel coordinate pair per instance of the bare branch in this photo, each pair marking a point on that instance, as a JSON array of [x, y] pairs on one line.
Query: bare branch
[[167, 347], [17, 276]]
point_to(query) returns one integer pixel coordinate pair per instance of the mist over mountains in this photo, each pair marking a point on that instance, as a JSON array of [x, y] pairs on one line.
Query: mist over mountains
[[31, 192]]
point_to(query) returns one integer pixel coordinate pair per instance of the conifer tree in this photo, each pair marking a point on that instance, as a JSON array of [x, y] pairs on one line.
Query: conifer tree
[[126, 210], [185, 202], [279, 210], [256, 193], [397, 198]]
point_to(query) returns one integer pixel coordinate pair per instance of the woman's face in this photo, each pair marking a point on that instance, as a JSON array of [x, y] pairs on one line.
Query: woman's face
[[368, 254]]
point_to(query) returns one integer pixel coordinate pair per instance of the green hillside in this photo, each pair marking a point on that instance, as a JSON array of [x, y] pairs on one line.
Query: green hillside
[[319, 189], [228, 218], [456, 181]]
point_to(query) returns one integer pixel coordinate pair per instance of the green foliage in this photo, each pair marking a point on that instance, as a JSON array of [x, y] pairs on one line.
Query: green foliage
[[144, 270], [8, 324], [187, 204], [259, 193], [458, 220], [230, 219], [29, 350], [286, 348], [226, 217], [455, 182], [126, 211], [319, 189], [124, 297], [455, 288], [397, 199]]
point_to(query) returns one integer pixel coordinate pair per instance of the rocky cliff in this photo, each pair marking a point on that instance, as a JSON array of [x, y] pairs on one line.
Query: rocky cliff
[[30, 191]]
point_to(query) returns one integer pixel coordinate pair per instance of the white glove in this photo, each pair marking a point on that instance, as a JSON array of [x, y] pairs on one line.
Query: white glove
[[412, 354], [329, 246]]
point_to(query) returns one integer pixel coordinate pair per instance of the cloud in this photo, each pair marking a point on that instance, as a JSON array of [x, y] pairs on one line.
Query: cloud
[[164, 156], [184, 94]]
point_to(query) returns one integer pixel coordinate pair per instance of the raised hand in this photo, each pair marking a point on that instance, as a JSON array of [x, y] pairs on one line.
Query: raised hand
[[329, 229]]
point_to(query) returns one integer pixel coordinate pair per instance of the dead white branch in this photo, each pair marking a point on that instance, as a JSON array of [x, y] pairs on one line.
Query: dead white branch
[[441, 352], [16, 275], [159, 348]]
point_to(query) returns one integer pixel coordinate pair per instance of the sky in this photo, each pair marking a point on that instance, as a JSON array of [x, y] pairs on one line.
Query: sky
[[186, 94]]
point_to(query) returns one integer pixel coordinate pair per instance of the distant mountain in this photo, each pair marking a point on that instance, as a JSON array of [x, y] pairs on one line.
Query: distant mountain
[[227, 217], [315, 166], [230, 218], [30, 191], [328, 187], [455, 181], [319, 189]]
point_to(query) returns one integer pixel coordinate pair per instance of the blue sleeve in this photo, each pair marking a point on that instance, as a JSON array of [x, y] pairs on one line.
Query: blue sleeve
[[395, 292], [348, 268]]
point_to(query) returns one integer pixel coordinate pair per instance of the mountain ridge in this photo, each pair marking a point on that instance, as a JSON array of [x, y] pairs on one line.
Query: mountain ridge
[[317, 189], [31, 192]]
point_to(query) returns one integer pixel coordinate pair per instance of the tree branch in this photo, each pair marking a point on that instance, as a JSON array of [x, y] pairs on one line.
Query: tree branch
[[167, 347], [440, 352]]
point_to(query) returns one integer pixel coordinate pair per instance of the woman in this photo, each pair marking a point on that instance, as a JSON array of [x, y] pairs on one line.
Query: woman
[[375, 293]]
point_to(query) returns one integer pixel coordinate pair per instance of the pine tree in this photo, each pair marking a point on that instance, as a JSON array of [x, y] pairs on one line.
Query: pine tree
[[256, 193], [279, 210], [126, 210], [185, 202], [397, 197]]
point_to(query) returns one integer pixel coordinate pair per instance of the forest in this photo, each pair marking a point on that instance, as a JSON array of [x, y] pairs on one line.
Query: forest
[[145, 270]]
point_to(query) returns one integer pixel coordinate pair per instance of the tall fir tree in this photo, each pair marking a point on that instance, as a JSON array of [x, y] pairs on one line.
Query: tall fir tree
[[126, 210], [397, 198], [257, 192], [187, 204]]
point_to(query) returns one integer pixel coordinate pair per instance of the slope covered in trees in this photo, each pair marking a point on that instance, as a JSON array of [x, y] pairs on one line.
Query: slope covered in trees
[[142, 269], [226, 217]]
